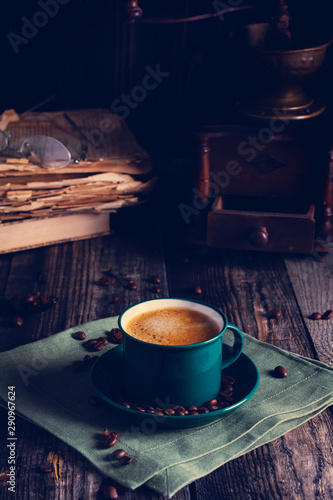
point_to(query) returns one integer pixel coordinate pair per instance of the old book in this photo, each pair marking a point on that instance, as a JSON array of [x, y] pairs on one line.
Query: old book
[[42, 231], [40, 206]]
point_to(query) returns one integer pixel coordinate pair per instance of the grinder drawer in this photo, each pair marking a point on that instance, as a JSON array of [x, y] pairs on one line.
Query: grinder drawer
[[263, 231]]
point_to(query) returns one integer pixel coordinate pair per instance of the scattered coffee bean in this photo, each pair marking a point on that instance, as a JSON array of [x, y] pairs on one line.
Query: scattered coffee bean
[[97, 344], [17, 321], [125, 460], [116, 336], [117, 454], [328, 314], [114, 298], [104, 281], [78, 365], [5, 476], [138, 408], [280, 372], [197, 289], [46, 467], [110, 492], [315, 316], [30, 303], [79, 335], [110, 438], [155, 289], [155, 279], [275, 314], [132, 286]]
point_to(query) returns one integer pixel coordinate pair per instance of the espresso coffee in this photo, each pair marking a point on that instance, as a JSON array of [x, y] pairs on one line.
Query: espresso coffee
[[172, 326]]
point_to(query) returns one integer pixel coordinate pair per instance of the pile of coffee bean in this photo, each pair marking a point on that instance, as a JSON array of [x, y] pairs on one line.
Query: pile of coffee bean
[[222, 400]]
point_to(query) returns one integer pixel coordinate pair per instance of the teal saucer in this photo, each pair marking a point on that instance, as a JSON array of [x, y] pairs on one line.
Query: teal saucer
[[106, 375]]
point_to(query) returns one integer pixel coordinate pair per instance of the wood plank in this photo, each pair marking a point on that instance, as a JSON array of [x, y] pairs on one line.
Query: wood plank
[[247, 286], [71, 271], [312, 282]]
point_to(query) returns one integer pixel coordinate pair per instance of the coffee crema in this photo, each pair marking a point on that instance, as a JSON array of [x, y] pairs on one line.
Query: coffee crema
[[173, 326]]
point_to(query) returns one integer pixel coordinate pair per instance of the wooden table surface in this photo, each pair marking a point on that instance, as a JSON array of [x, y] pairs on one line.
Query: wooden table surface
[[246, 286]]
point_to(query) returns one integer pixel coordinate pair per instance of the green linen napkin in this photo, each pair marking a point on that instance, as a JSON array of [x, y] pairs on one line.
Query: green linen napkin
[[54, 396]]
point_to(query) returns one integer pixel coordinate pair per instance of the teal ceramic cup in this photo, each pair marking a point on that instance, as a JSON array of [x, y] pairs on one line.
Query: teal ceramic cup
[[176, 374]]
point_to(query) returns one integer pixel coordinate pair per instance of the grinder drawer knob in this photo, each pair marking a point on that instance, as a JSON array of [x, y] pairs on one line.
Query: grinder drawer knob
[[258, 237]]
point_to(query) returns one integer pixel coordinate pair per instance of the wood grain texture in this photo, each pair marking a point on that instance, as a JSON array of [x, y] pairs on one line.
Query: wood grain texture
[[312, 282], [245, 285]]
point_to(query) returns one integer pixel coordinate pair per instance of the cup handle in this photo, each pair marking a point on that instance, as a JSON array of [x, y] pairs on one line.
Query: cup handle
[[235, 350]]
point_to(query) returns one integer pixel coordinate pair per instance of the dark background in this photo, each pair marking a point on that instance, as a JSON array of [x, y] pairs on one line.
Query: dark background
[[87, 57]]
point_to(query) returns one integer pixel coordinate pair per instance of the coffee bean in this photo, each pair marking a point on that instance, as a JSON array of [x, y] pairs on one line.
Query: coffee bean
[[214, 408], [147, 407], [17, 321], [212, 402], [114, 298], [225, 393], [110, 492], [275, 314], [104, 340], [328, 314], [79, 335], [125, 460], [110, 439], [203, 409], [169, 412], [179, 408], [117, 454], [96, 344], [315, 316], [116, 336], [193, 412], [155, 289], [124, 403], [46, 467], [5, 476], [159, 412], [132, 286], [155, 279], [192, 408], [226, 379], [138, 408], [197, 289], [280, 372], [78, 365], [179, 413], [104, 281]]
